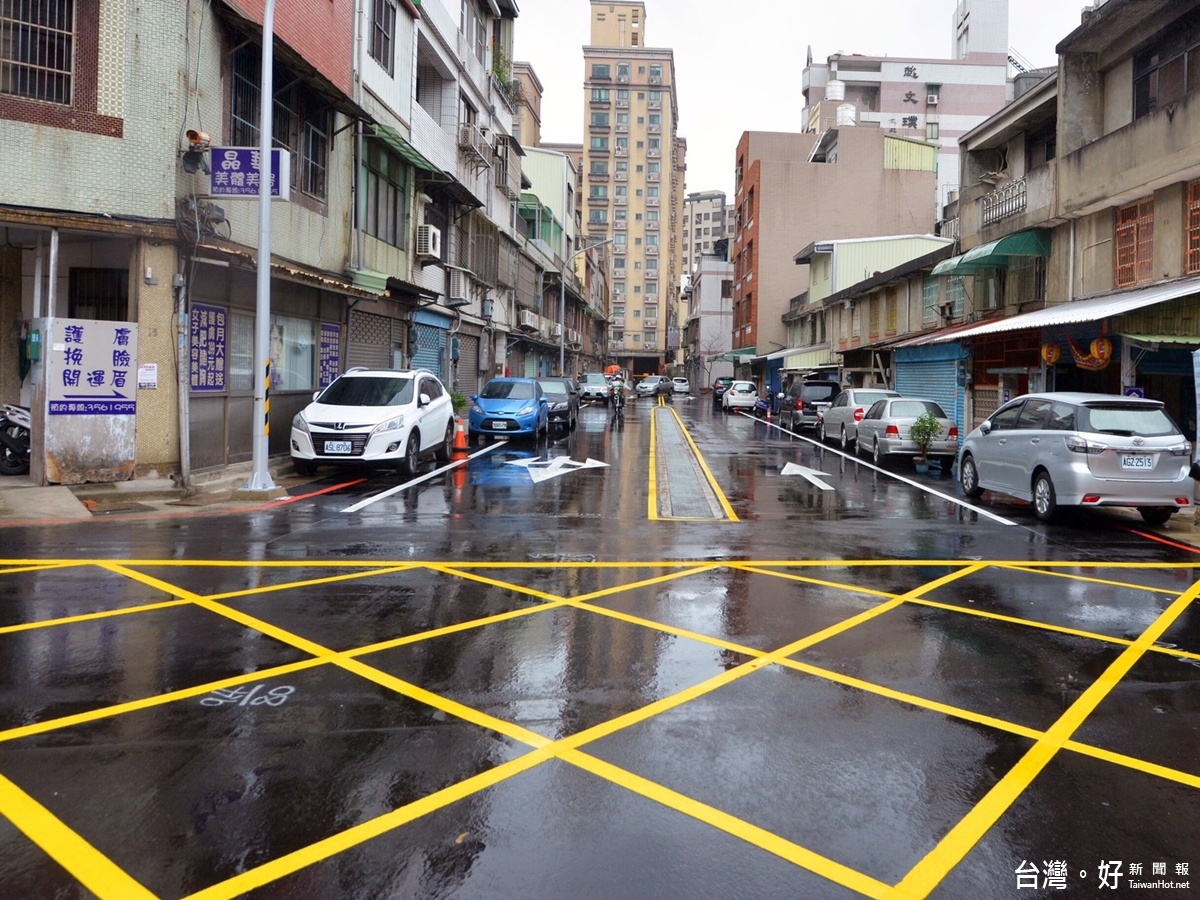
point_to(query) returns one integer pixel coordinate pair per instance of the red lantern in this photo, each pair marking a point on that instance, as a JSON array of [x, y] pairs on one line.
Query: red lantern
[[1102, 348], [1051, 353]]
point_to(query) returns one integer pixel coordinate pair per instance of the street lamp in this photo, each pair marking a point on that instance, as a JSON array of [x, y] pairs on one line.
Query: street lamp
[[562, 303]]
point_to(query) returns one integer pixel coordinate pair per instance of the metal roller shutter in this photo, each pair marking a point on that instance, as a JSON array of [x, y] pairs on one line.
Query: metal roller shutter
[[369, 341], [467, 376], [934, 376], [430, 349]]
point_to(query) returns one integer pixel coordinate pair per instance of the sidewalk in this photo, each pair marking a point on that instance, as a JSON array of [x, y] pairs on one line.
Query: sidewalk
[[22, 500]]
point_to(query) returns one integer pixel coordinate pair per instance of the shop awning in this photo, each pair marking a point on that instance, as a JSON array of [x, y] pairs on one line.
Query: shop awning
[[1150, 339], [740, 355], [997, 254], [393, 139], [1091, 310]]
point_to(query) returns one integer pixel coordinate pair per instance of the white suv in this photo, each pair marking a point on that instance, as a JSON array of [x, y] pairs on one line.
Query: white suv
[[375, 417], [594, 386]]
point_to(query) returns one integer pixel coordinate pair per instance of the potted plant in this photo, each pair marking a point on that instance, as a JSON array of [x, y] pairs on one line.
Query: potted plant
[[460, 403], [923, 432]]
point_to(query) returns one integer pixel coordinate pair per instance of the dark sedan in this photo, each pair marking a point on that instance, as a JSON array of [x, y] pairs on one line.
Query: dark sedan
[[563, 396]]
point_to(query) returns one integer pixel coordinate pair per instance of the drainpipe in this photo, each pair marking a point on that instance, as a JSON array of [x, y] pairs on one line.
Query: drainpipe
[[182, 372]]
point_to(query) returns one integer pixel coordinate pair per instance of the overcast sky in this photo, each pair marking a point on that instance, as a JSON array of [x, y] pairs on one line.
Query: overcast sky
[[738, 65]]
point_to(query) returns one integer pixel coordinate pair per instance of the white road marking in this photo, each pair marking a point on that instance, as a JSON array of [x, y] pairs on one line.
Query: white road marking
[[545, 469], [428, 475], [807, 474]]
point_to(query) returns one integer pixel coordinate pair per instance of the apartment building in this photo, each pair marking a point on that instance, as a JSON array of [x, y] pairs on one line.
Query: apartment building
[[935, 100], [793, 189], [708, 322], [632, 170], [400, 243], [707, 218]]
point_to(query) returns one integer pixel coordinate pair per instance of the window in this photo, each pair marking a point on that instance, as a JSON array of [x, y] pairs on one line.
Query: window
[[598, 217], [1134, 250], [301, 121], [931, 131], [599, 95], [599, 167], [656, 71], [623, 94], [601, 70], [655, 143], [655, 96], [930, 312], [622, 143], [652, 191], [1169, 68], [293, 353], [101, 294], [655, 118], [622, 70], [598, 192], [384, 189], [383, 34], [599, 120], [623, 118], [37, 50], [954, 295], [599, 143], [1192, 261]]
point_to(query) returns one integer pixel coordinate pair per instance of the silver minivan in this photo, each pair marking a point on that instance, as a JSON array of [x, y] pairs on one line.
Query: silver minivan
[[1076, 449]]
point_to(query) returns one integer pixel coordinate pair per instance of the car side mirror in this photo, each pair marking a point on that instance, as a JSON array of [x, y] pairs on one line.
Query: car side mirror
[[985, 427], [316, 394], [472, 397], [423, 400]]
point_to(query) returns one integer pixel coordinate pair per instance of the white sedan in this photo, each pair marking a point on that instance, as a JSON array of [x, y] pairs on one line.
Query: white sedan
[[741, 395], [680, 385]]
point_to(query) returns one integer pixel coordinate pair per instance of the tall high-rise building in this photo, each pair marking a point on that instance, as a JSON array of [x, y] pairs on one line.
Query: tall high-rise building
[[632, 170]]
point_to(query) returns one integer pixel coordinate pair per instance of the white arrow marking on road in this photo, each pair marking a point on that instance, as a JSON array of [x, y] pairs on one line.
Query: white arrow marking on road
[[808, 474], [545, 469]]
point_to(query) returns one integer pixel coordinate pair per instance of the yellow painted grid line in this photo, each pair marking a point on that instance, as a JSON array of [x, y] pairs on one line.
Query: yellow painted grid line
[[716, 818], [95, 871], [1034, 570], [712, 481], [930, 871], [25, 567], [605, 728], [86, 617], [310, 582]]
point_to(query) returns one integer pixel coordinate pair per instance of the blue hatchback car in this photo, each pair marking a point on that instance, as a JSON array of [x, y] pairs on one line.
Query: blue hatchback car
[[515, 406]]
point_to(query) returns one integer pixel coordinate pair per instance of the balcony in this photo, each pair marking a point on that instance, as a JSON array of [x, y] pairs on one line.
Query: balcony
[[652, 226], [622, 128], [652, 250], [653, 176], [473, 144], [620, 201], [618, 225], [1004, 201], [621, 176], [649, 323], [652, 201], [622, 104], [622, 152], [653, 153], [654, 104], [655, 79], [616, 322], [653, 129], [597, 201]]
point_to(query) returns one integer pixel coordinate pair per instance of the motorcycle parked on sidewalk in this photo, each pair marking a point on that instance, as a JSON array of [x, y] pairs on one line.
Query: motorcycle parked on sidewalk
[[15, 425]]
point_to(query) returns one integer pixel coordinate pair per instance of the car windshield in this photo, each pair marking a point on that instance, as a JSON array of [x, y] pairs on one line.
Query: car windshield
[[912, 409], [594, 379], [866, 398], [379, 390], [1130, 420], [554, 388], [515, 390], [818, 392]]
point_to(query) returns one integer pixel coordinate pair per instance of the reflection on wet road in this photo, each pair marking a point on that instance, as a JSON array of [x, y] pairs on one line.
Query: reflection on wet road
[[492, 683]]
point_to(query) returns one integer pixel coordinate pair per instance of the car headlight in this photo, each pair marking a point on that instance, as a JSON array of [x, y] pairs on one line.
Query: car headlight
[[393, 424], [300, 423], [527, 410], [477, 410], [561, 405]]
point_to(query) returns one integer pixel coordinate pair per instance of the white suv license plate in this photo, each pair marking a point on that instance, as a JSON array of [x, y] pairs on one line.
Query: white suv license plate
[[1138, 462], [338, 447]]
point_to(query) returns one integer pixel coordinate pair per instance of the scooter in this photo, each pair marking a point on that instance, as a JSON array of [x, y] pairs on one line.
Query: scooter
[[618, 404], [15, 426], [763, 405]]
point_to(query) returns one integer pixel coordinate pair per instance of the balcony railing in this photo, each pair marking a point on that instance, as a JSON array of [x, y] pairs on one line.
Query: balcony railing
[[1006, 200]]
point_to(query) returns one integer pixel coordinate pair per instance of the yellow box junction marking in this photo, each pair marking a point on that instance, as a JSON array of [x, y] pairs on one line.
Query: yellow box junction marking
[[102, 877]]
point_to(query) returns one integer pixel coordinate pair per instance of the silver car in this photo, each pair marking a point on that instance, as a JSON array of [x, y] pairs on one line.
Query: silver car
[[1068, 449], [840, 420], [884, 430]]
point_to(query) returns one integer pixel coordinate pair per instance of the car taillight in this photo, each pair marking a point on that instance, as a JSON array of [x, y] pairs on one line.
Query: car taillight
[[953, 432], [1076, 444], [893, 431], [858, 414]]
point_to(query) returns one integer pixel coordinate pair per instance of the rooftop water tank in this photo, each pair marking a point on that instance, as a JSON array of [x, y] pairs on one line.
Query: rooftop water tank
[[847, 114], [835, 91]]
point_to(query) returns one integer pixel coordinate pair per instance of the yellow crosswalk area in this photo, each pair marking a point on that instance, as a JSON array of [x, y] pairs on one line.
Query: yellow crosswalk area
[[133, 689]]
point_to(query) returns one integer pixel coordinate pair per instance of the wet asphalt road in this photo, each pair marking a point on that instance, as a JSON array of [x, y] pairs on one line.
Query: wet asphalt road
[[641, 673]]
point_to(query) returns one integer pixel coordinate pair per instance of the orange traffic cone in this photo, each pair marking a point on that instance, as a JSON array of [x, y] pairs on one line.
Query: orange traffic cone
[[460, 440]]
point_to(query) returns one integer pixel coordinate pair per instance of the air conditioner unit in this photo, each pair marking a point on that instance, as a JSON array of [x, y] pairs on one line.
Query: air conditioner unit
[[555, 330], [931, 99], [459, 293], [429, 242], [529, 320], [947, 310]]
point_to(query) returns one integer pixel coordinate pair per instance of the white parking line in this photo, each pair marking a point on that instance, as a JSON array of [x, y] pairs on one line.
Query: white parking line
[[438, 471], [860, 461]]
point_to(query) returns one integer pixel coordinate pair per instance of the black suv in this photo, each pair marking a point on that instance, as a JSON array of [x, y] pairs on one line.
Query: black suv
[[720, 386], [804, 401]]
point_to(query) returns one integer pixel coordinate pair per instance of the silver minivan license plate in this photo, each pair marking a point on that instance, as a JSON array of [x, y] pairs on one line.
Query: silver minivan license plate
[[1139, 462]]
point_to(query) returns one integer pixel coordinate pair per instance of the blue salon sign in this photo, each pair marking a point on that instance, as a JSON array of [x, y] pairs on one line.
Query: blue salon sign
[[236, 172]]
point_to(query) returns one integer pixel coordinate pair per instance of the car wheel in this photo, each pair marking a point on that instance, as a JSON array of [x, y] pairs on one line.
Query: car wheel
[[877, 453], [412, 454], [844, 438], [305, 467], [968, 477], [1044, 501], [446, 449], [1156, 515]]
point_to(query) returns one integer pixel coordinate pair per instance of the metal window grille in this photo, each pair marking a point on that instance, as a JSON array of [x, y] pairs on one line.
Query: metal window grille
[[1193, 228], [1135, 243], [37, 49], [384, 191], [300, 123], [101, 294], [383, 32]]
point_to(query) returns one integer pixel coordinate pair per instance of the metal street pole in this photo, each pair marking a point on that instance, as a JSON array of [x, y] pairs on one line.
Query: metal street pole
[[562, 303], [260, 475]]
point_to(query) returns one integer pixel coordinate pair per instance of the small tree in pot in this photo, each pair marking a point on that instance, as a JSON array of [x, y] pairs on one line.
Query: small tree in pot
[[923, 433]]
